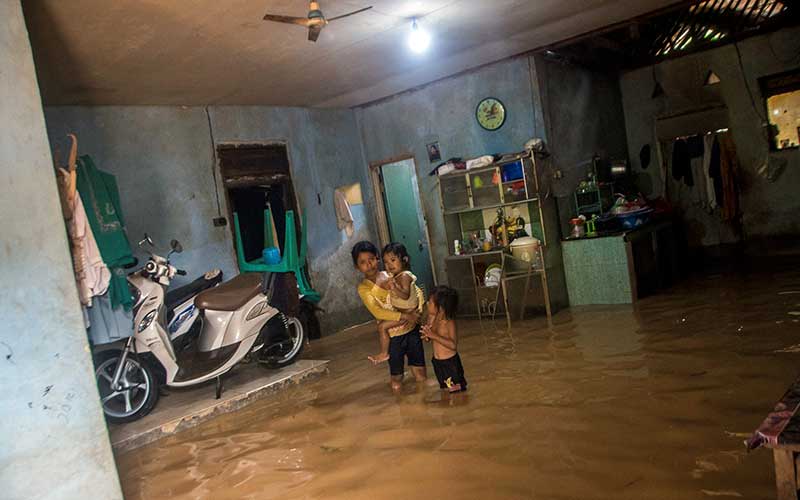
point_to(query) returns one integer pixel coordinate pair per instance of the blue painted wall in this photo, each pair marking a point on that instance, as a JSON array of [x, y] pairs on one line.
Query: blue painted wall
[[445, 111], [53, 440], [164, 163]]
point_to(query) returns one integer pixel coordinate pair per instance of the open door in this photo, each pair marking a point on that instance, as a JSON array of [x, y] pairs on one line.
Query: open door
[[400, 215]]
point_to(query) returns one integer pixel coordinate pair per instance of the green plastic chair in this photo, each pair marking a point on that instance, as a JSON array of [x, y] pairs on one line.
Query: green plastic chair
[[291, 261]]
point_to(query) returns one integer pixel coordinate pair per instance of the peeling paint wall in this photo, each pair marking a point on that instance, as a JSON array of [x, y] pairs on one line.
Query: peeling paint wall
[[53, 439], [164, 162], [770, 208]]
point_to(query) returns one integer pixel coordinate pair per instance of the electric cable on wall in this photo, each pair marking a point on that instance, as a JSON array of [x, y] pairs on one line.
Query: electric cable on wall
[[214, 164]]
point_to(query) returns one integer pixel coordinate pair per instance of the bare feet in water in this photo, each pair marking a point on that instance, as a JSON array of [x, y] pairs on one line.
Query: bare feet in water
[[379, 358]]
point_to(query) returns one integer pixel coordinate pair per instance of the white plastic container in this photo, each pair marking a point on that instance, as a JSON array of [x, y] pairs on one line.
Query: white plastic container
[[527, 249]]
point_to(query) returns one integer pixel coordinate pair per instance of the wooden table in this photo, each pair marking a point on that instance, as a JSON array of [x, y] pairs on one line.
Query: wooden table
[[780, 432], [786, 470]]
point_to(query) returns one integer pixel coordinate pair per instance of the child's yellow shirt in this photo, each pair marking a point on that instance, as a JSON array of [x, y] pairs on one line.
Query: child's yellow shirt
[[372, 296]]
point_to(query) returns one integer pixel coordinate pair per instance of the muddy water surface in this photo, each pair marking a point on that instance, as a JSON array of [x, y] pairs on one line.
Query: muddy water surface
[[645, 402]]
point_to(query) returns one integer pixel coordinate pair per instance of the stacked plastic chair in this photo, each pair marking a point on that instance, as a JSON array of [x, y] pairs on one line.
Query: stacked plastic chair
[[292, 261]]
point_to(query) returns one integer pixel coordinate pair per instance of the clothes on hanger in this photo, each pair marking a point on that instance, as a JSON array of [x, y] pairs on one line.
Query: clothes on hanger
[[91, 274], [344, 216], [681, 162], [107, 323], [709, 165], [715, 172], [100, 196], [729, 173], [708, 146]]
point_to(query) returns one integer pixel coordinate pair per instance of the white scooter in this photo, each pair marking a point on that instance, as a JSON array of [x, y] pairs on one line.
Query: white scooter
[[252, 313]]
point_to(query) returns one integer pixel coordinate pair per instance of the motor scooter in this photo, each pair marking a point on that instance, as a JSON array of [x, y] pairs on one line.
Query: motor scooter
[[252, 314], [182, 314]]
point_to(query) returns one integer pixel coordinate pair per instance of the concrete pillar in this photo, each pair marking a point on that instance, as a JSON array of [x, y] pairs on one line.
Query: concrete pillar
[[53, 439]]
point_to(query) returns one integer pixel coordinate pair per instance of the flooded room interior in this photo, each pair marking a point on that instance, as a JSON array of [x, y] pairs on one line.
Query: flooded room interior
[[394, 249]]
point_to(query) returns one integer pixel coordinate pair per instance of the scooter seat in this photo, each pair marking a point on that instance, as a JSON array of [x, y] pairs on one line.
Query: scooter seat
[[176, 297], [231, 295]]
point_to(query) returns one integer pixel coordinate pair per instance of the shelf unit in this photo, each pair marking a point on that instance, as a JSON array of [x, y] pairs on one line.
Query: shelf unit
[[471, 201]]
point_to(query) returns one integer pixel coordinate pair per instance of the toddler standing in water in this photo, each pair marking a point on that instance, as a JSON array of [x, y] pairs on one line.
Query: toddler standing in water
[[441, 331]]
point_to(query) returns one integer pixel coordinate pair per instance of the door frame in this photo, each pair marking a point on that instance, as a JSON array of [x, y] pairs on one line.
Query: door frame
[[227, 210], [380, 205]]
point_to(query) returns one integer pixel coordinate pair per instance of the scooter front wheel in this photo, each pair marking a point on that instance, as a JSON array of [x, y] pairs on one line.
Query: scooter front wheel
[[137, 393]]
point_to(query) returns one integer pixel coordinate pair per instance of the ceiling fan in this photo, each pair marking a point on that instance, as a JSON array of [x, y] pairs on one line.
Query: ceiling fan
[[314, 22]]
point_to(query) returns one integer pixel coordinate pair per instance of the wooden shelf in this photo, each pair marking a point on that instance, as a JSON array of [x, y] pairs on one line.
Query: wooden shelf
[[489, 207], [476, 254]]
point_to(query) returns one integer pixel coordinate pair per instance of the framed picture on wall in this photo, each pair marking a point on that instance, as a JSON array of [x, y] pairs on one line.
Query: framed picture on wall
[[434, 152]]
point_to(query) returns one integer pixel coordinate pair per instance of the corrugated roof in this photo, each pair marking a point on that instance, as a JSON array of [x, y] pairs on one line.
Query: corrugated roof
[[711, 21]]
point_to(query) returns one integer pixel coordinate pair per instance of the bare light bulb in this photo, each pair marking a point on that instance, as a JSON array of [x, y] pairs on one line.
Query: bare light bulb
[[418, 40]]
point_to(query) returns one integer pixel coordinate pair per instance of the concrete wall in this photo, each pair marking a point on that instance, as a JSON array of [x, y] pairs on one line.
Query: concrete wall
[[584, 116], [770, 208], [53, 439], [163, 160]]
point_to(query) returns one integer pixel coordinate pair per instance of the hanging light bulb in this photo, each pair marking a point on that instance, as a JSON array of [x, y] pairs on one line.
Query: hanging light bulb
[[418, 40]]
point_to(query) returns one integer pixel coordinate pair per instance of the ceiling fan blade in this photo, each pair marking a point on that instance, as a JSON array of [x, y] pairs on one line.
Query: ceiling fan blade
[[313, 32], [301, 21], [350, 14]]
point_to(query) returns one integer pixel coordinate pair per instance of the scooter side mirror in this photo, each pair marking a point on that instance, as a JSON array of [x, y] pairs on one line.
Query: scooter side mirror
[[147, 239], [176, 246]]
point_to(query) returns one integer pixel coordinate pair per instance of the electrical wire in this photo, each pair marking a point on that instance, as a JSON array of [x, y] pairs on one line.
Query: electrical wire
[[214, 165], [747, 83]]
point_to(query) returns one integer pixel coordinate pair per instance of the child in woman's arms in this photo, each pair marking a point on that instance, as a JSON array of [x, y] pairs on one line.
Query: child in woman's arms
[[405, 340], [404, 295], [441, 331]]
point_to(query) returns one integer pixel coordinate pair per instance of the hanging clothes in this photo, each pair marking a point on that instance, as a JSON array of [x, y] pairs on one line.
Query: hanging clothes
[[681, 162], [100, 196], [344, 217], [91, 274], [715, 171], [729, 175], [106, 323], [708, 181], [699, 189]]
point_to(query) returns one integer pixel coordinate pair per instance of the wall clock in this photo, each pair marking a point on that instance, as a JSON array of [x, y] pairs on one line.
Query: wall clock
[[491, 113]]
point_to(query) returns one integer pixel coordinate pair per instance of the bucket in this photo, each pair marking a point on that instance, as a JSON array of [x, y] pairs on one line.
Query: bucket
[[272, 256]]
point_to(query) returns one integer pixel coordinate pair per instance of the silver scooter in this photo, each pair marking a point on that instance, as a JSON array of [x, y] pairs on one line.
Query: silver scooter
[[252, 315]]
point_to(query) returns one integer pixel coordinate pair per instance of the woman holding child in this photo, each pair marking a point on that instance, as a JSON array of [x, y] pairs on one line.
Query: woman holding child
[[396, 302]]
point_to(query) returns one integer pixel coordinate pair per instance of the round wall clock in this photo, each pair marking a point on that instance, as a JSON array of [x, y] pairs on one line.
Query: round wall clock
[[491, 113]]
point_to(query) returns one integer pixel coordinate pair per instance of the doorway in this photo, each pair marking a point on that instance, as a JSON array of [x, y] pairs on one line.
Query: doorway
[[257, 177], [401, 217]]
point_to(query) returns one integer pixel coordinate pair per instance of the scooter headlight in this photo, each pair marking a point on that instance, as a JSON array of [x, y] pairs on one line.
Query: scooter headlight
[[147, 320]]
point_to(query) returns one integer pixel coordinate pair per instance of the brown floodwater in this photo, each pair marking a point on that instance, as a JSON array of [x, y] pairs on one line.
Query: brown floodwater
[[644, 402]]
